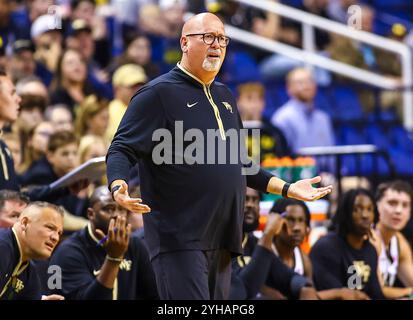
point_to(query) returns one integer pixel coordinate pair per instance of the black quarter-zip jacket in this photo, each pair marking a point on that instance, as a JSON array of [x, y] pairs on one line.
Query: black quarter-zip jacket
[[18, 279], [80, 259], [194, 207]]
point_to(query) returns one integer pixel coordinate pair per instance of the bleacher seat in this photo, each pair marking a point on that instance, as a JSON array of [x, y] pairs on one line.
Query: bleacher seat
[[239, 67], [402, 139], [346, 104], [376, 136], [351, 135], [402, 161]]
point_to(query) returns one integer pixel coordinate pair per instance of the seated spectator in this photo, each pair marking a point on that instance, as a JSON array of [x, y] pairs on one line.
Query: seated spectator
[[126, 11], [36, 8], [12, 203], [258, 265], [372, 58], [251, 103], [92, 117], [345, 258], [338, 9], [32, 86], [36, 144], [70, 85], [31, 112], [86, 10], [22, 63], [60, 117], [91, 146], [163, 24], [61, 158], [8, 27], [262, 23], [47, 38], [287, 246], [138, 51], [389, 64], [30, 116], [164, 19], [81, 39], [94, 269], [126, 81], [299, 119], [394, 200], [34, 236], [287, 243]]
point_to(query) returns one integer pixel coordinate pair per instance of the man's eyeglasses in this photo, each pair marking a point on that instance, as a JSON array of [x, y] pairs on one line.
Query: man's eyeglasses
[[209, 38]]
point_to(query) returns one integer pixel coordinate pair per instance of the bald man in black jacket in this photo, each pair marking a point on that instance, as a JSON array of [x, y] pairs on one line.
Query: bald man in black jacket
[[195, 226]]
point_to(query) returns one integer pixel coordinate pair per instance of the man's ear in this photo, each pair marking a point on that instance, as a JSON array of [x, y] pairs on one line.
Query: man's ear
[[90, 214], [49, 156], [24, 222], [184, 44]]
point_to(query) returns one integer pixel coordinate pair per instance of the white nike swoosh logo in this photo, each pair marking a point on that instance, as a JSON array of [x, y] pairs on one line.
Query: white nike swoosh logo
[[191, 105]]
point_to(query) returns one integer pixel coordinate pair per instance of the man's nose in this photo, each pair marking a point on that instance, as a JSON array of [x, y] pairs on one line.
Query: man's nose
[[295, 227], [365, 214], [399, 209], [73, 157], [215, 44], [54, 237]]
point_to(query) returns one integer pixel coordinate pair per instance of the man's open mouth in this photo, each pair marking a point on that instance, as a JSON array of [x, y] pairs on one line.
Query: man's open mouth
[[213, 55]]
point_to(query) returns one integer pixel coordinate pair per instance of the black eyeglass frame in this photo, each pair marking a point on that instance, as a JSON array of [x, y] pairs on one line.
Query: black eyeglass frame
[[226, 38]]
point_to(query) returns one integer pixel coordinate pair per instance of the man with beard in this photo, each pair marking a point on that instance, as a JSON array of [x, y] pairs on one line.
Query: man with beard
[[258, 265], [99, 267], [345, 258], [195, 227], [299, 119], [34, 236], [395, 256]]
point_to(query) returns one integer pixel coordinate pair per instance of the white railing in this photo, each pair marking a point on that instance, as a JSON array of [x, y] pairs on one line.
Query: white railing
[[307, 54]]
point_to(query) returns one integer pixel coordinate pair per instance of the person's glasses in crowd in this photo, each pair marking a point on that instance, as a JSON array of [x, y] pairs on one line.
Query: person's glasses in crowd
[[209, 38]]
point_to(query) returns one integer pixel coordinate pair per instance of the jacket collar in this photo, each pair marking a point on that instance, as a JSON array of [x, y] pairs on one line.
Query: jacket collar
[[188, 75], [90, 233]]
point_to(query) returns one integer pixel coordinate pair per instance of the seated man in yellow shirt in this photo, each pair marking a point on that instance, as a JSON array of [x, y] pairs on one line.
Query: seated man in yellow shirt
[[126, 80]]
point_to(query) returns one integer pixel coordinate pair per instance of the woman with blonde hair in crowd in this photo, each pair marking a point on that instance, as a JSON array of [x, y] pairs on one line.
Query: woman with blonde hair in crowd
[[92, 146], [92, 117]]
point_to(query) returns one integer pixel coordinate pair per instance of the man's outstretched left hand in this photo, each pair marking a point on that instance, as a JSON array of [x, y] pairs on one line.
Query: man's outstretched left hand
[[303, 190]]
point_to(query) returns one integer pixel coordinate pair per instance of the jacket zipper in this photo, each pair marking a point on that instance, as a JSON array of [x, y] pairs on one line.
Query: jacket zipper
[[208, 94]]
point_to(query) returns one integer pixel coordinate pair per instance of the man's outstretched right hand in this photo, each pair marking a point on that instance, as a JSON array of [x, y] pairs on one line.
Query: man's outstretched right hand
[[134, 205]]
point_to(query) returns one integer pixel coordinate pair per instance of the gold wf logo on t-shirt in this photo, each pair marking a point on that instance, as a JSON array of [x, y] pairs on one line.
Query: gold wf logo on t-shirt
[[360, 274]]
